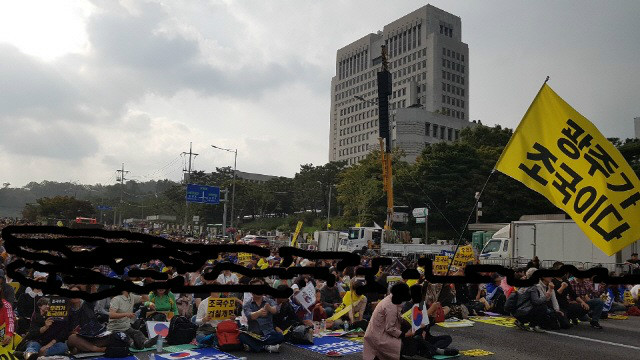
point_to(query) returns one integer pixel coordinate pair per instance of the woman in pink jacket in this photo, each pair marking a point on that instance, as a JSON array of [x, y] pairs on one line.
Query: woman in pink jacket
[[383, 339]]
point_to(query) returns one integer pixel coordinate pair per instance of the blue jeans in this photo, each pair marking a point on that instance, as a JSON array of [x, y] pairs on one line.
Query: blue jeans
[[207, 340], [58, 348], [257, 345], [595, 308]]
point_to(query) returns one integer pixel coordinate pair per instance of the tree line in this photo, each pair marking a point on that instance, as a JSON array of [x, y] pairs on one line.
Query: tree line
[[444, 178]]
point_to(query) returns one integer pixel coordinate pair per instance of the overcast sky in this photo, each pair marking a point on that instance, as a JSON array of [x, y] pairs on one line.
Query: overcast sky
[[87, 85]]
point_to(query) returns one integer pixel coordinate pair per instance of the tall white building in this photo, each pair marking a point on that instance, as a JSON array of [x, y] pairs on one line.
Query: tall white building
[[429, 66]]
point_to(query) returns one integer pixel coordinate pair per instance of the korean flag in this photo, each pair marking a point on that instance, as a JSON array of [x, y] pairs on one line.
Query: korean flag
[[178, 355], [419, 316]]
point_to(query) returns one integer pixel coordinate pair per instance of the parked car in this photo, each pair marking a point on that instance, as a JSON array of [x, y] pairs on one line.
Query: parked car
[[256, 240]]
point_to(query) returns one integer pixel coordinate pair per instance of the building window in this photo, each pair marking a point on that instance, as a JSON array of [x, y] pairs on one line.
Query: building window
[[450, 134], [435, 130], [442, 128], [427, 129], [457, 134]]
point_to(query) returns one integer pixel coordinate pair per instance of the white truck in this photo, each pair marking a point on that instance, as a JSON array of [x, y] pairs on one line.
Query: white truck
[[328, 240], [388, 242], [549, 240]]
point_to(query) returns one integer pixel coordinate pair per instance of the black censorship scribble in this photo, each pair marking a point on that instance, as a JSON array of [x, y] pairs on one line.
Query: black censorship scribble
[[71, 256]]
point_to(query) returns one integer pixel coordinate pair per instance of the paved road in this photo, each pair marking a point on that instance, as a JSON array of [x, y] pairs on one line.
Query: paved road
[[620, 339]]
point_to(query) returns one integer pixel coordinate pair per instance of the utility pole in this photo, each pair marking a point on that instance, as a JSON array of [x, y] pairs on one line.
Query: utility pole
[[224, 213], [186, 181], [122, 173], [233, 189]]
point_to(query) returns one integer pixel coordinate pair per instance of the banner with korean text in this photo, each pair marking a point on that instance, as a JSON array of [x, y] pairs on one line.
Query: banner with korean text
[[221, 308], [562, 155]]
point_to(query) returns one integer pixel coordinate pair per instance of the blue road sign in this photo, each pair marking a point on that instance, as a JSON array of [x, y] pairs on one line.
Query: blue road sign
[[203, 194], [104, 207]]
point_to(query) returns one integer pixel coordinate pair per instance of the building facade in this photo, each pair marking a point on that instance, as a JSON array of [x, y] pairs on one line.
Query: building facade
[[429, 66], [413, 128]]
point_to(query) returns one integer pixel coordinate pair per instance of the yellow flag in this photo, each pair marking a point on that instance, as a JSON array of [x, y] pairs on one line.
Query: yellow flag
[[562, 155], [294, 240]]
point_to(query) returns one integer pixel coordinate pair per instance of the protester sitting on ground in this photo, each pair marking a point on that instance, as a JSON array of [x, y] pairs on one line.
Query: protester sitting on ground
[[8, 290], [610, 298], [84, 328], [555, 318], [583, 289], [330, 297], [565, 296], [531, 307], [431, 295], [388, 338], [206, 335], [317, 310], [121, 316], [227, 278], [8, 320], [495, 294], [161, 301], [26, 305], [259, 311], [47, 337], [358, 303], [285, 317]]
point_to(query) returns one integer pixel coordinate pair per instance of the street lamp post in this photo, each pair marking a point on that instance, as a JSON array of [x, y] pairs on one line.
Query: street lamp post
[[329, 207], [233, 186]]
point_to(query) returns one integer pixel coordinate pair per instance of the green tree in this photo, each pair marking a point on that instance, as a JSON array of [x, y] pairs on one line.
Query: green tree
[[59, 207]]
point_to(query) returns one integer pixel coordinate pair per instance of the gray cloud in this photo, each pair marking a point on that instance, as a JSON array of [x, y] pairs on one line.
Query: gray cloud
[[256, 75]]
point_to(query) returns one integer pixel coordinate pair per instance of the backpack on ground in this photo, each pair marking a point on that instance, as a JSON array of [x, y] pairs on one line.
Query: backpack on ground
[[228, 336], [181, 331], [118, 345], [302, 335]]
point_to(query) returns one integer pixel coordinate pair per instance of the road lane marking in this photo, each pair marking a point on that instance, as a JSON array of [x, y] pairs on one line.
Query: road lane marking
[[594, 340]]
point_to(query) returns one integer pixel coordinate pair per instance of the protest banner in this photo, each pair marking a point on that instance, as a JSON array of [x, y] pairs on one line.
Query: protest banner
[[58, 308], [558, 153], [294, 239], [340, 312], [505, 321], [221, 308]]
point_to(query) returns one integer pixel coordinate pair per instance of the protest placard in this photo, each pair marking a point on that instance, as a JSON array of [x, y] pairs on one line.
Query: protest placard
[[440, 265], [58, 308], [221, 308], [306, 297], [244, 258]]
